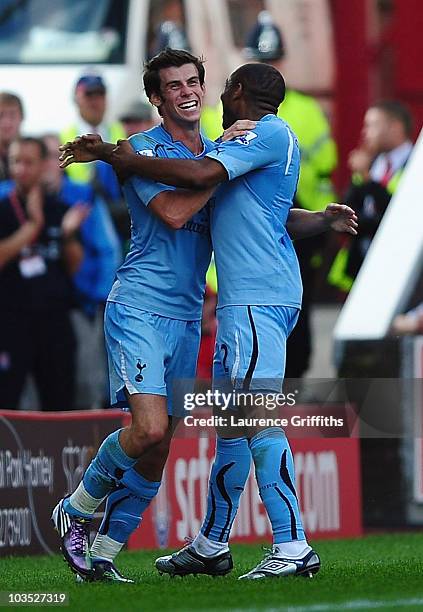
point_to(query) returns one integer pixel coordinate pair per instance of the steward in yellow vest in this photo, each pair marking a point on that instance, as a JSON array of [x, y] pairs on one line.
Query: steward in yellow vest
[[91, 100]]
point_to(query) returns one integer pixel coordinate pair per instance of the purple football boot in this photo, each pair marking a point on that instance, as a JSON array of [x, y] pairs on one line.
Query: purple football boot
[[74, 538]]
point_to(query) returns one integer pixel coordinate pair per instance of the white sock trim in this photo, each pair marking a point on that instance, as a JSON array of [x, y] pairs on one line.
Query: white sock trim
[[207, 548], [296, 548], [105, 547], [83, 502]]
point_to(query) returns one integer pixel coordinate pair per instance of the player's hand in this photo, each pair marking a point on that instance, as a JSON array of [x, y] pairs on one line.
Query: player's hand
[[34, 206], [121, 158], [239, 128], [83, 149], [74, 218], [341, 218]]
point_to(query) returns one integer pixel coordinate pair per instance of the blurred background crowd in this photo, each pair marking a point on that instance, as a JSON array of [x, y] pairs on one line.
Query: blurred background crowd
[[63, 234]]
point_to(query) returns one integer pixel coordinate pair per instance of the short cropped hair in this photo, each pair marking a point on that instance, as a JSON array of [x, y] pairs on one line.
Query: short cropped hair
[[168, 58], [398, 111], [38, 142], [262, 84], [10, 99]]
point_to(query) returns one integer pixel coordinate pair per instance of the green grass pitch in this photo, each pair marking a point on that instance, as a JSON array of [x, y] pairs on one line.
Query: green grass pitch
[[374, 572]]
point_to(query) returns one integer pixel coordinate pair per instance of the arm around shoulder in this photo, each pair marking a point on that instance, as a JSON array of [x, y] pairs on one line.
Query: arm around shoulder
[[174, 208], [185, 173]]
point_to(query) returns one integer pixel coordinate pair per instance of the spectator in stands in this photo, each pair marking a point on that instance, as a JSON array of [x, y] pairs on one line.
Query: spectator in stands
[[409, 323], [11, 117], [102, 254], [93, 280], [138, 117], [91, 101], [376, 167], [39, 251]]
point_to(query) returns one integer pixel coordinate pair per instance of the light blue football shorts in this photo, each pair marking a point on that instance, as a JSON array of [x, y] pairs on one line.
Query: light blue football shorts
[[148, 353], [250, 351]]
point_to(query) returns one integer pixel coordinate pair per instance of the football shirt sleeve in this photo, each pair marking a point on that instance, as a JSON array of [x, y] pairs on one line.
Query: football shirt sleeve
[[264, 146], [146, 189]]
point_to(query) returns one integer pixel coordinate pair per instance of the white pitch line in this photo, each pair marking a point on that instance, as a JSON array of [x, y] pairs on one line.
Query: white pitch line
[[359, 604]]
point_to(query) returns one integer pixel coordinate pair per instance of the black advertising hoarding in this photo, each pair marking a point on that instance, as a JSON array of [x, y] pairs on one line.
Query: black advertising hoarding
[[42, 458]]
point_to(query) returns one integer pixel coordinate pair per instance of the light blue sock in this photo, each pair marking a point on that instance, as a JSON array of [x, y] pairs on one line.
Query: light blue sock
[[228, 476], [276, 481], [126, 505], [100, 478]]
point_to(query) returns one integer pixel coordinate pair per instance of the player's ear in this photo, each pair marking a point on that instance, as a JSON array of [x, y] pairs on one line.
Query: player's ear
[[156, 100], [237, 91]]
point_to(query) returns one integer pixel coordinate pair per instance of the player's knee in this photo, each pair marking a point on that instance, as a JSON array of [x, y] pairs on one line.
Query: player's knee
[[149, 434], [155, 433]]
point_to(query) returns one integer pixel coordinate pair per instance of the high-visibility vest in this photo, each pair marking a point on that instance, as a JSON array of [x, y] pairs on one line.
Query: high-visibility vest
[[338, 276], [211, 276], [211, 121], [318, 150], [83, 173]]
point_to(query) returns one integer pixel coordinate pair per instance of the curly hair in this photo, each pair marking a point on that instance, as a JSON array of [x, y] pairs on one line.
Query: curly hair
[[262, 84]]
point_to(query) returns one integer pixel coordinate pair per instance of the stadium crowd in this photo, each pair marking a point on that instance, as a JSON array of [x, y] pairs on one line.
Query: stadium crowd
[[64, 234]]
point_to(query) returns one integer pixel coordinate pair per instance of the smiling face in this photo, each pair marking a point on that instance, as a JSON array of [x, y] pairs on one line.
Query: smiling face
[[181, 95]]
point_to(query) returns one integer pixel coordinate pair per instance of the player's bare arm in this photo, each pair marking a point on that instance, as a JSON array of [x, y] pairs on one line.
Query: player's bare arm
[[189, 174], [338, 217], [175, 208], [87, 148], [186, 173]]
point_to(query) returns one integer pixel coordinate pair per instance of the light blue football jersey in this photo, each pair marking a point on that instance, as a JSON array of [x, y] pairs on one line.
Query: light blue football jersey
[[164, 271], [255, 259]]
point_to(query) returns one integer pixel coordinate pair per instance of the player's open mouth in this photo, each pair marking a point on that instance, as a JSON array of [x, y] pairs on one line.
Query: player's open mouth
[[192, 105]]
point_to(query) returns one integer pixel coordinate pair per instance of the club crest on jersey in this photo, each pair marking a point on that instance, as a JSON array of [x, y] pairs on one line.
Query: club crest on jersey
[[139, 377], [246, 139]]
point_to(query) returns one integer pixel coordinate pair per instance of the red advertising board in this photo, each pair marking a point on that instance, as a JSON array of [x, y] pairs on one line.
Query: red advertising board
[[43, 457], [328, 482]]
